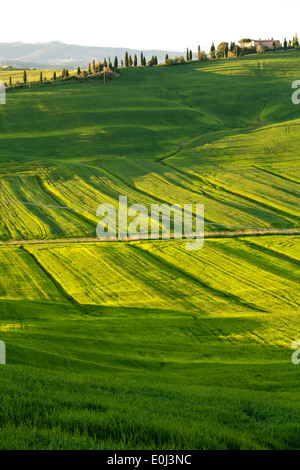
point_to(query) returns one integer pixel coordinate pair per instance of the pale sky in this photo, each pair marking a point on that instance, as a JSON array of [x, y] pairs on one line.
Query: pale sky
[[142, 24]]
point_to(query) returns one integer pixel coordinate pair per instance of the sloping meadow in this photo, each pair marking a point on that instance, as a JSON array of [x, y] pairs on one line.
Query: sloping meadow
[[143, 344]]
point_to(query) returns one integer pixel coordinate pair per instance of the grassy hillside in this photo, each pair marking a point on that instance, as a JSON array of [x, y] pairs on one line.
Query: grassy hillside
[[235, 117], [144, 344]]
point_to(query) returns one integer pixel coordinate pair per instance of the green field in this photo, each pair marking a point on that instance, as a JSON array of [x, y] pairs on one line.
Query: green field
[[33, 75], [143, 344]]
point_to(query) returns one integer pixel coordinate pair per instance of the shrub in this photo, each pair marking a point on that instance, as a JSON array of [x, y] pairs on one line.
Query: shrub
[[202, 55], [176, 61], [170, 62], [222, 50], [249, 50], [260, 50]]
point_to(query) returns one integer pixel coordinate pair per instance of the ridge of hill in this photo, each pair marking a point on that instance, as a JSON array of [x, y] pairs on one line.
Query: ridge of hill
[[58, 53]]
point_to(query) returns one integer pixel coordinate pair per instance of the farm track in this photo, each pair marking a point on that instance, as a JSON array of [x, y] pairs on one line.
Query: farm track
[[217, 234]]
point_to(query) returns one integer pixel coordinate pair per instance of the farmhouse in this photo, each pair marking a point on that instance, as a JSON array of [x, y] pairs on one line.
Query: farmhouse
[[246, 43]]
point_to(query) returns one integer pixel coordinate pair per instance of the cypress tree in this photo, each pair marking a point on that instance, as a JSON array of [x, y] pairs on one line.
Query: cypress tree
[[191, 55], [142, 59], [237, 51], [25, 77], [89, 70], [126, 59], [199, 53], [212, 51], [9, 81], [54, 76], [226, 51], [109, 63], [274, 46], [187, 54], [116, 62], [166, 58], [78, 71], [135, 60], [285, 44], [130, 61], [94, 64], [122, 63], [105, 63], [67, 73], [41, 76]]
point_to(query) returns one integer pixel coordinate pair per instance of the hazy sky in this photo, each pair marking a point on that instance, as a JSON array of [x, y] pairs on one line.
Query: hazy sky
[[143, 24]]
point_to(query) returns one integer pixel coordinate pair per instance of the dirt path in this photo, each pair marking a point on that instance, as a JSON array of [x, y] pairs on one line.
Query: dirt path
[[217, 234]]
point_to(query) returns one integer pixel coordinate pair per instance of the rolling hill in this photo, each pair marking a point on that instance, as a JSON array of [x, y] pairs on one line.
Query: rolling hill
[[142, 344]]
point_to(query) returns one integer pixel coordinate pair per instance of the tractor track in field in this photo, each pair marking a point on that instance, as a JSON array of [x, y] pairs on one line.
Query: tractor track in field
[[182, 145], [243, 232], [278, 175], [54, 281], [198, 109], [57, 200], [272, 252], [208, 235], [220, 187], [219, 293]]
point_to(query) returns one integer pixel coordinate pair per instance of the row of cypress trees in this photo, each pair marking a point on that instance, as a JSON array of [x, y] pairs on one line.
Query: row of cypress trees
[[65, 73], [294, 43], [129, 62]]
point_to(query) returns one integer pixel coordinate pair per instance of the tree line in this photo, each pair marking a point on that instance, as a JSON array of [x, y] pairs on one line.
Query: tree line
[[223, 50]]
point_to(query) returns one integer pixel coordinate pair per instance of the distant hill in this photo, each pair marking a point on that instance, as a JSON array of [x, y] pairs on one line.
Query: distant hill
[[57, 54]]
